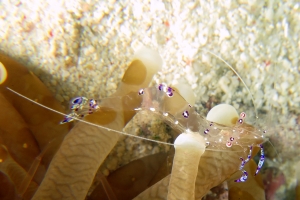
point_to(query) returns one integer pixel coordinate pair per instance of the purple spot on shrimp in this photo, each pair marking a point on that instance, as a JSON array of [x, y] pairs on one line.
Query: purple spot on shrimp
[[92, 102], [185, 114], [243, 115], [161, 87], [206, 131], [170, 92], [141, 92], [228, 144], [241, 121]]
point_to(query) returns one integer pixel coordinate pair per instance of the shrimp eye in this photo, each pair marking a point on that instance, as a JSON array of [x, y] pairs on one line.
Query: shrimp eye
[[77, 100]]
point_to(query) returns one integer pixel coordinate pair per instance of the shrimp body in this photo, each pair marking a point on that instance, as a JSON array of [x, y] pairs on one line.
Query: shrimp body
[[168, 104]]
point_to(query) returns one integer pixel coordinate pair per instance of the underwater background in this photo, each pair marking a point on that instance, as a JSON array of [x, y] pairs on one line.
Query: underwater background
[[82, 48]]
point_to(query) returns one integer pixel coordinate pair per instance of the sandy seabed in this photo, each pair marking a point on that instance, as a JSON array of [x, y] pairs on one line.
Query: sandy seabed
[[83, 47]]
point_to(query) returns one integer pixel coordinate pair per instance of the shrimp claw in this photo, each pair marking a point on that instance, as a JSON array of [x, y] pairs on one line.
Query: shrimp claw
[[261, 160], [244, 177]]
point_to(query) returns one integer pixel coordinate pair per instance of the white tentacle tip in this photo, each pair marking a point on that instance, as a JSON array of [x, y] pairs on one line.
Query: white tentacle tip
[[224, 114], [191, 140], [3, 73]]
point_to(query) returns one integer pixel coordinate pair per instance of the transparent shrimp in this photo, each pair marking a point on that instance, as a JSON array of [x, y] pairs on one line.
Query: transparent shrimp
[[157, 102], [173, 109]]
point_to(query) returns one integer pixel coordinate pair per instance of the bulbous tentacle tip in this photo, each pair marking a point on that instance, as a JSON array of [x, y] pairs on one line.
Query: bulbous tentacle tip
[[190, 140], [3, 73], [149, 57], [224, 114], [145, 64], [186, 91]]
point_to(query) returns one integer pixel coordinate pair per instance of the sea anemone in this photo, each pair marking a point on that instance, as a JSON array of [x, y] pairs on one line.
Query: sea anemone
[[207, 151]]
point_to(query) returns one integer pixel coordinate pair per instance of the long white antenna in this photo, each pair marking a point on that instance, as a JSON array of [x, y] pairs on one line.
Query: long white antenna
[[237, 74], [108, 129]]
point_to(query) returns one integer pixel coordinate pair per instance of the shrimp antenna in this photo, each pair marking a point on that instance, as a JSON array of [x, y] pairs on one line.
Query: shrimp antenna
[[103, 127], [276, 152], [63, 114], [237, 74]]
